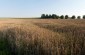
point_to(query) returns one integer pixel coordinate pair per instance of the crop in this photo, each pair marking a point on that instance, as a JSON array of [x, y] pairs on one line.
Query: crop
[[42, 37]]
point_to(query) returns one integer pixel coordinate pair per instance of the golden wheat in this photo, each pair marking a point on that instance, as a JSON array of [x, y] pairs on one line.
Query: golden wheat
[[42, 37]]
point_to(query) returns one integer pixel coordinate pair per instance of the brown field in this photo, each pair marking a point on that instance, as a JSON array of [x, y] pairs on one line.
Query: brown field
[[42, 37]]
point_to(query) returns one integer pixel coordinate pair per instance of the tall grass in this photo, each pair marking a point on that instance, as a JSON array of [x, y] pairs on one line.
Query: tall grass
[[42, 37]]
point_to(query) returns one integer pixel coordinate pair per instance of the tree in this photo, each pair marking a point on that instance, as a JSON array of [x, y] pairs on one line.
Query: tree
[[50, 16], [57, 16], [79, 17], [73, 17], [83, 16], [46, 16], [62, 17], [43, 16], [53, 16], [66, 17]]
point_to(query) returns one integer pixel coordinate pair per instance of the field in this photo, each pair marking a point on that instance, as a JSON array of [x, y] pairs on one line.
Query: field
[[42, 37]]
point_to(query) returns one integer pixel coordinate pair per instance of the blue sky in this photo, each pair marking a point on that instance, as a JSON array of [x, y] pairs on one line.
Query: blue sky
[[34, 8]]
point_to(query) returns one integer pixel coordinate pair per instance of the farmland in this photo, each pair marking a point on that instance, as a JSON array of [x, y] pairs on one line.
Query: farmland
[[42, 37]]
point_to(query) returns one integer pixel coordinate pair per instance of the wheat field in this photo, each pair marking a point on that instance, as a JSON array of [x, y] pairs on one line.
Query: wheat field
[[42, 37]]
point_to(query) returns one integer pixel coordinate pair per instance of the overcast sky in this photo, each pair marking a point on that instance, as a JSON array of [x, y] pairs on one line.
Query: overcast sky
[[34, 8]]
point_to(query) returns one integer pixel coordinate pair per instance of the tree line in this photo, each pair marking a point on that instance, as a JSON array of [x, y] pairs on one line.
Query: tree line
[[54, 16]]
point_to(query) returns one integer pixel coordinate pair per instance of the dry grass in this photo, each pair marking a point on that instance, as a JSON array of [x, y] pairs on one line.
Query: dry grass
[[42, 37]]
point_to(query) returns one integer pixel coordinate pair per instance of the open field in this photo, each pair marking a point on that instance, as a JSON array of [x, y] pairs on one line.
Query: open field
[[42, 37]]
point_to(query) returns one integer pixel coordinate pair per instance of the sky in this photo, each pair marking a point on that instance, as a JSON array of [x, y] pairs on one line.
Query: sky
[[34, 8]]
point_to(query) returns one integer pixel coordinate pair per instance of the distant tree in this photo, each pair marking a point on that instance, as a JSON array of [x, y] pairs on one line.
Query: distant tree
[[79, 17], [43, 16], [73, 17], [66, 17], [83, 16], [57, 16], [50, 16], [62, 17], [47, 16], [54, 16]]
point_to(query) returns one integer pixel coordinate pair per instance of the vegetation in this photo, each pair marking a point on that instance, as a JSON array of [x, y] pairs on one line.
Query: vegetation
[[42, 37], [73, 17], [43, 16], [83, 16], [79, 17], [66, 16], [54, 16], [61, 17]]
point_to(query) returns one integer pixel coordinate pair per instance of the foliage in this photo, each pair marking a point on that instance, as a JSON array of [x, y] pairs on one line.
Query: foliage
[[73, 17], [53, 16], [61, 17], [83, 16], [43, 16], [79, 17], [66, 16]]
